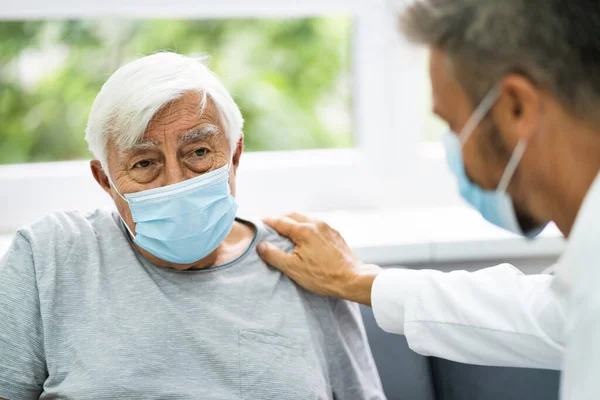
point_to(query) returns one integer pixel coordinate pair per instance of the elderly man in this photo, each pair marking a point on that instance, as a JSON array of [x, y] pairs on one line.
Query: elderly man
[[166, 298]]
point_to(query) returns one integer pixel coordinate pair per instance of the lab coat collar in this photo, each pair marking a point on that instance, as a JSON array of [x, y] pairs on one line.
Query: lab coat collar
[[581, 257]]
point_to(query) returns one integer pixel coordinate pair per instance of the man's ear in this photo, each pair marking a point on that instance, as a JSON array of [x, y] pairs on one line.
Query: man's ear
[[100, 176], [517, 110], [239, 149]]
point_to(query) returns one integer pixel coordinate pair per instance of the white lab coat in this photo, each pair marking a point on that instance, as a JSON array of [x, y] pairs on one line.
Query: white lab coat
[[499, 316]]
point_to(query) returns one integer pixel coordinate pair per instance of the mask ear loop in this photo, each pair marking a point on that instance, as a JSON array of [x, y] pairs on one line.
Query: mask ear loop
[[110, 181], [512, 165], [480, 112]]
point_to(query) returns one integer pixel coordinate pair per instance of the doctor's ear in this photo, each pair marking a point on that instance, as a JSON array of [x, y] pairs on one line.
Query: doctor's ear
[[518, 108], [100, 175]]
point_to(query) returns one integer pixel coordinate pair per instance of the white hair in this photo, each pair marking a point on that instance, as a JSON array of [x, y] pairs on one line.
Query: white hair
[[137, 91]]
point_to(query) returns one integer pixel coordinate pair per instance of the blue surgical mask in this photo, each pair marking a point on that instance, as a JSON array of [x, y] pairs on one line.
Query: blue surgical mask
[[184, 222], [496, 206]]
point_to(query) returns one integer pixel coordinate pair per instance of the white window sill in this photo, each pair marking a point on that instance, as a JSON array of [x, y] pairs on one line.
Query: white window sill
[[421, 236], [436, 235]]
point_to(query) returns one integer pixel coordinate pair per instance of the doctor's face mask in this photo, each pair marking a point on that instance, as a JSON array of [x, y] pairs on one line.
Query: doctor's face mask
[[496, 206]]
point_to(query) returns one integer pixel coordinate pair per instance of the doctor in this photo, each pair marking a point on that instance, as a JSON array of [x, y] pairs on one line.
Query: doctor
[[518, 82]]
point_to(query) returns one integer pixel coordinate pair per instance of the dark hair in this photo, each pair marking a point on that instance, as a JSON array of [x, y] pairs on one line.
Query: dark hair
[[554, 43]]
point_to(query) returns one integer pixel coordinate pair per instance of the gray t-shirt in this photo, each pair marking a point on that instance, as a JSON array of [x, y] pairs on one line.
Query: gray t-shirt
[[84, 316]]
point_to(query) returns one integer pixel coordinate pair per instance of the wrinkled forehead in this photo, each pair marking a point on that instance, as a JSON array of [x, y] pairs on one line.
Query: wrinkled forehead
[[190, 118], [177, 118]]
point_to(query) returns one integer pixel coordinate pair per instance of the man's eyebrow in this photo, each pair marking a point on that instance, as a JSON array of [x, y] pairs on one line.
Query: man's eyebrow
[[141, 146], [188, 137], [198, 133]]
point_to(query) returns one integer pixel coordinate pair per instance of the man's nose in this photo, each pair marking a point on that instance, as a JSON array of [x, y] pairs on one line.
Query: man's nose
[[174, 172]]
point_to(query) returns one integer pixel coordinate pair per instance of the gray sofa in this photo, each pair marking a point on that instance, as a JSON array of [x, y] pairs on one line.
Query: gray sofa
[[408, 376]]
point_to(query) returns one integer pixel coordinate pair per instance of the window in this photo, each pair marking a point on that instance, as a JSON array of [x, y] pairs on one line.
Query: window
[[336, 103], [290, 77]]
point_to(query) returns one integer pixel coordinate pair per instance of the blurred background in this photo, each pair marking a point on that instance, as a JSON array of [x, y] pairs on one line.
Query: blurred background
[[337, 108], [291, 77]]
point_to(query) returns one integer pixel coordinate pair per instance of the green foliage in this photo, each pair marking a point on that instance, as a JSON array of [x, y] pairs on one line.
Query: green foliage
[[290, 77]]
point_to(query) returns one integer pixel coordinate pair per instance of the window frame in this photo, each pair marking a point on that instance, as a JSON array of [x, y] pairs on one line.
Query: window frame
[[389, 167]]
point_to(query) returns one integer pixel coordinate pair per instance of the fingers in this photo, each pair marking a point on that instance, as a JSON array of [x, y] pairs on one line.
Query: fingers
[[307, 221], [274, 256], [299, 217], [298, 227], [284, 226]]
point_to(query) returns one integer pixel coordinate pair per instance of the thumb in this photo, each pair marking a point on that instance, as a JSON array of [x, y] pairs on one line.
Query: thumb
[[274, 256]]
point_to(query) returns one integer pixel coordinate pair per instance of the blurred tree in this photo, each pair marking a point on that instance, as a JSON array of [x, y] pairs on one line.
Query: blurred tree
[[290, 77]]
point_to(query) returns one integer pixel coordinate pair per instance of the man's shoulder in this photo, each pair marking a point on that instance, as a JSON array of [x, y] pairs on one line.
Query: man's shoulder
[[65, 238], [327, 308], [67, 226], [268, 234]]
